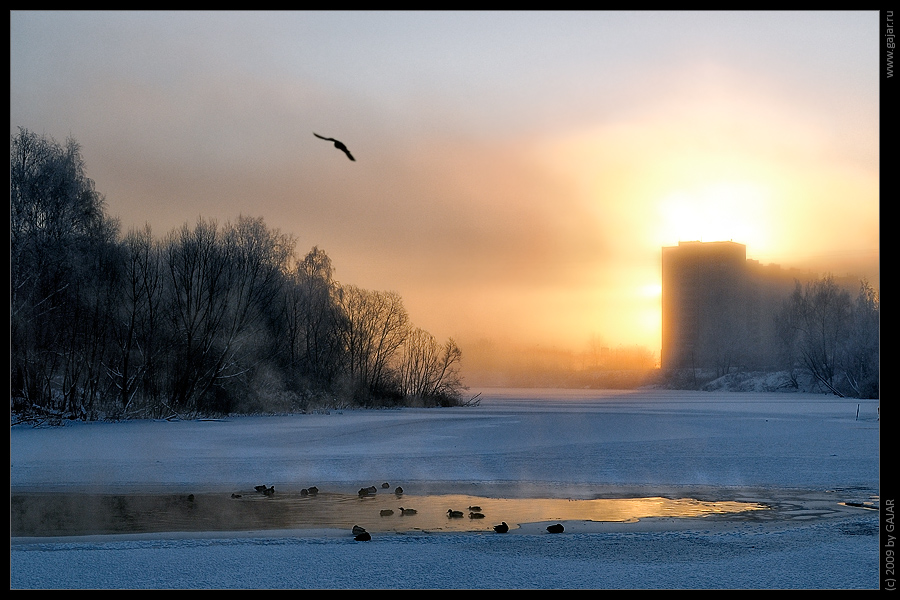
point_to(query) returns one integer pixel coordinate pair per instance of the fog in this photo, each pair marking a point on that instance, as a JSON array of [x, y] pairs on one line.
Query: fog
[[516, 173]]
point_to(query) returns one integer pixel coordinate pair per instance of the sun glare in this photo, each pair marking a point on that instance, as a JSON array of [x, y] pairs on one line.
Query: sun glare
[[715, 212]]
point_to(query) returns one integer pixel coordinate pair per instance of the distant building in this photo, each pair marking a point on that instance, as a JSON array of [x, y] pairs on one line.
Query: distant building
[[718, 307]]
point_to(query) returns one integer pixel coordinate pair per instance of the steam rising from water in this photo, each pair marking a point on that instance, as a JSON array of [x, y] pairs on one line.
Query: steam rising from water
[[81, 514]]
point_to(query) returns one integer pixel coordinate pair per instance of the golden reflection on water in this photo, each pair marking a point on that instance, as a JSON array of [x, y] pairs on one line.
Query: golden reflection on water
[[74, 514]]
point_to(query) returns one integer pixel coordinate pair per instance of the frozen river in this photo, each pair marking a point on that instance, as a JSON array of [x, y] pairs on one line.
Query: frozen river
[[813, 459]]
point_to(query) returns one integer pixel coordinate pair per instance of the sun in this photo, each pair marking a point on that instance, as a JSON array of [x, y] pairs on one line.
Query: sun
[[720, 211]]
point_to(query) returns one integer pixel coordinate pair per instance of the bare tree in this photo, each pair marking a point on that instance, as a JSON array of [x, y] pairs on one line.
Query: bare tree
[[138, 330], [197, 302], [312, 320], [89, 329], [59, 263], [427, 370], [222, 283], [860, 357], [819, 319], [256, 260], [374, 328]]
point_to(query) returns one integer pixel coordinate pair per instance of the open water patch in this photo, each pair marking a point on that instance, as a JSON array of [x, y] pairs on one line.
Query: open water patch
[[51, 514]]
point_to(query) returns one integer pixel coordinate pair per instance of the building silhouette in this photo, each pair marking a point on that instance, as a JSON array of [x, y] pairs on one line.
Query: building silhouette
[[718, 308]]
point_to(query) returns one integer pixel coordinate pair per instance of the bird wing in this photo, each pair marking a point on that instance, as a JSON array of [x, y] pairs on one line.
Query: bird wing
[[337, 144]]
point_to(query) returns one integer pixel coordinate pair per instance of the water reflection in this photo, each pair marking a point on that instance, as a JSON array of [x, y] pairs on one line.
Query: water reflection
[[80, 514]]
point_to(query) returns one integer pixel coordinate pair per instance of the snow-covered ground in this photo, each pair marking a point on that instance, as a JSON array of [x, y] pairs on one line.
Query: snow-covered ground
[[804, 454]]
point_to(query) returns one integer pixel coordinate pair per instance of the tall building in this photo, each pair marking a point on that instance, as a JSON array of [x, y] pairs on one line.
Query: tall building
[[718, 308]]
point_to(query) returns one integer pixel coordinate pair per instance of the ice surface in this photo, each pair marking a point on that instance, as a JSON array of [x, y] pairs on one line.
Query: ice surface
[[807, 451]]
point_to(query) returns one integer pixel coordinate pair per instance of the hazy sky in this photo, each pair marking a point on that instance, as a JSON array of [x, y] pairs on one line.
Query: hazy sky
[[517, 172]]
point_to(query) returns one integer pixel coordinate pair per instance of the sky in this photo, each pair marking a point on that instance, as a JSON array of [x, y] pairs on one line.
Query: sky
[[516, 173]]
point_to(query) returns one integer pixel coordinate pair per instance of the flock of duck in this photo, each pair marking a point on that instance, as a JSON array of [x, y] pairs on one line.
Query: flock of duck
[[361, 535]]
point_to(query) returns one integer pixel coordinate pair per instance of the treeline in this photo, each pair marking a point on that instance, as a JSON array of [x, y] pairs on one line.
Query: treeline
[[208, 320], [831, 337]]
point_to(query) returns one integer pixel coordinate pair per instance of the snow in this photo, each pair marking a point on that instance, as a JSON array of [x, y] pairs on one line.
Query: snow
[[805, 453]]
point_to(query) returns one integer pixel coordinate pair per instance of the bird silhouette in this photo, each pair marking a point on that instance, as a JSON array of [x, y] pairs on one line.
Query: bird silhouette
[[337, 144], [501, 528]]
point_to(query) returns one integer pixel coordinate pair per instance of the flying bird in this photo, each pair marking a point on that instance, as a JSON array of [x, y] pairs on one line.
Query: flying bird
[[337, 144]]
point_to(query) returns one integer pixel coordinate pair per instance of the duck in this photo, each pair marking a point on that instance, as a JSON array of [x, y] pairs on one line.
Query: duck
[[386, 512], [269, 491], [407, 511], [372, 489], [476, 515], [304, 492], [454, 514], [399, 491], [558, 528], [358, 530], [235, 495], [260, 488], [501, 528], [475, 508], [385, 485], [363, 537], [364, 492], [313, 490]]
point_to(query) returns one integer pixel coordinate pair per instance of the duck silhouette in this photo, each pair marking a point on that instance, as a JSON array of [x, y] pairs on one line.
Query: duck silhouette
[[337, 144], [399, 491], [501, 528], [476, 515], [455, 514], [407, 511], [386, 512], [363, 537], [558, 528], [358, 530]]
